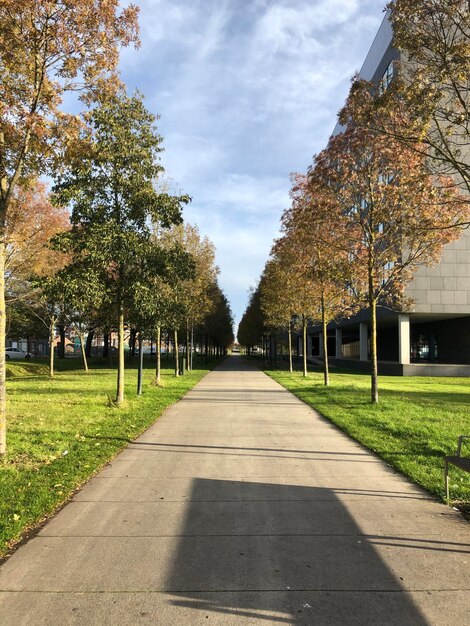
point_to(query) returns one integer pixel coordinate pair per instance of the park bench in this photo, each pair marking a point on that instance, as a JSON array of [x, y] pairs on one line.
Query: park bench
[[458, 460]]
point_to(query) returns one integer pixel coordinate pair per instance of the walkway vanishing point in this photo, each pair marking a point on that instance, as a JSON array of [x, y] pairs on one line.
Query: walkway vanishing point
[[241, 505]]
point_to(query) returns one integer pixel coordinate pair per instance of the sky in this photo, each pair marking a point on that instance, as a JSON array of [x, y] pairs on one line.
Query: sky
[[247, 92]]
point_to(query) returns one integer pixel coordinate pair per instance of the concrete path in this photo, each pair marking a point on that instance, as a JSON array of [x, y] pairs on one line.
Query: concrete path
[[243, 506]]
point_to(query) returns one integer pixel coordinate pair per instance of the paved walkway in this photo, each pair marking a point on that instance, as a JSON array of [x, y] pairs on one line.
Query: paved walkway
[[243, 506]]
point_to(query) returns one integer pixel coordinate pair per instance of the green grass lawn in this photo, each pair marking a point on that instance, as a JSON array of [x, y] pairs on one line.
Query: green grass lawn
[[62, 431], [415, 425]]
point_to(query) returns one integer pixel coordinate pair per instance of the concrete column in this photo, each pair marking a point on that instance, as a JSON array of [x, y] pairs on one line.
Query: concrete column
[[320, 349], [339, 343], [363, 341], [309, 345], [404, 339]]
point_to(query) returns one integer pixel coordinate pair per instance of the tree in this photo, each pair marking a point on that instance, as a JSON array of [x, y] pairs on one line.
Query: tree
[[310, 231], [30, 260], [218, 322], [301, 282], [111, 188], [395, 217], [46, 49], [149, 312], [47, 304], [32, 221], [80, 288], [252, 324], [164, 265], [278, 298], [22, 323], [432, 87], [193, 292]]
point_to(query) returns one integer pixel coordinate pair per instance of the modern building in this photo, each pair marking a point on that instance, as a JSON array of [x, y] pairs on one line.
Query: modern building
[[433, 337]]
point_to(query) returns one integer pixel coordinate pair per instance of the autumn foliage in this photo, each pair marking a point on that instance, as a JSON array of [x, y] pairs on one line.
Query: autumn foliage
[[32, 221], [431, 84]]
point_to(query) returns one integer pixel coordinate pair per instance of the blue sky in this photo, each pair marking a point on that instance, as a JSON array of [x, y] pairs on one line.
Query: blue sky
[[248, 91]]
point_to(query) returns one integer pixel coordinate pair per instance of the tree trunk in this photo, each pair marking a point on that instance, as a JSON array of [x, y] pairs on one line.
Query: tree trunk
[[120, 373], [61, 347], [3, 415], [158, 369], [141, 365], [192, 346], [188, 349], [326, 375], [304, 345], [176, 352], [374, 386], [51, 347], [206, 349], [89, 340], [82, 347], [289, 340]]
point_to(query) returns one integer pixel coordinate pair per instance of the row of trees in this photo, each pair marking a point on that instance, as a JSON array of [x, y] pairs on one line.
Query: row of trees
[[385, 196], [171, 285], [124, 258]]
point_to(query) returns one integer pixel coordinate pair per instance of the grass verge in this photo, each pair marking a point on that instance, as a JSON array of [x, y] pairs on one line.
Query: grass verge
[[415, 425], [61, 431]]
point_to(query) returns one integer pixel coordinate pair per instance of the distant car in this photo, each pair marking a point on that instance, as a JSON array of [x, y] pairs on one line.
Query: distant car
[[16, 353]]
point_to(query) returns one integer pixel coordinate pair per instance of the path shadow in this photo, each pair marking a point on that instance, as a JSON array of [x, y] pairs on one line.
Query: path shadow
[[271, 552]]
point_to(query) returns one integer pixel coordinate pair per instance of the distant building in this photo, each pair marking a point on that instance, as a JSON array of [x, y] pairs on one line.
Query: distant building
[[36, 346]]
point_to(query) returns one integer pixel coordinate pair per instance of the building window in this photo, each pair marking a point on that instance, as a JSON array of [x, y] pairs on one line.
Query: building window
[[424, 347], [387, 77], [351, 350], [420, 347]]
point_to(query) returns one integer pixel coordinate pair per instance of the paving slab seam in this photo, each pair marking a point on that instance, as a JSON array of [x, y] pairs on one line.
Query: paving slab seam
[[243, 476], [220, 501], [272, 534], [247, 476], [211, 591]]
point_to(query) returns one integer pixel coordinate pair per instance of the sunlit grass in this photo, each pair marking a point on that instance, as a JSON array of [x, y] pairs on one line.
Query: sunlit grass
[[415, 425], [62, 431]]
